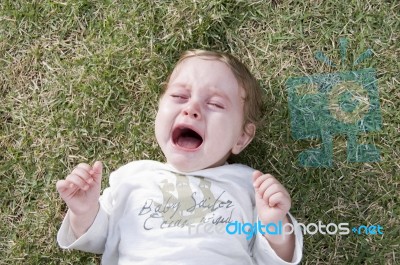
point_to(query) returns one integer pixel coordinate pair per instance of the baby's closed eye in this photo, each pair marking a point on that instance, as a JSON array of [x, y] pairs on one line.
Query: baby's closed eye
[[216, 105], [179, 97]]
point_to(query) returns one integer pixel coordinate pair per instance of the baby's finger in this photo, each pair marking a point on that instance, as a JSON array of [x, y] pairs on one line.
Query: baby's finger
[[64, 188], [97, 171], [62, 185], [256, 174], [77, 181], [274, 188], [84, 174], [281, 199], [268, 182], [261, 179], [82, 166]]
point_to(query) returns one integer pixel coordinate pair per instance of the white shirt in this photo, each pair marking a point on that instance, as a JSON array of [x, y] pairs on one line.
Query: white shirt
[[153, 214]]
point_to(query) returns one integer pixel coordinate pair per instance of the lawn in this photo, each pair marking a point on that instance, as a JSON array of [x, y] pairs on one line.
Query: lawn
[[80, 81]]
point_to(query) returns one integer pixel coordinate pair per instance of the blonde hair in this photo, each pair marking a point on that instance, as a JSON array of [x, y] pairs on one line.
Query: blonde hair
[[253, 93]]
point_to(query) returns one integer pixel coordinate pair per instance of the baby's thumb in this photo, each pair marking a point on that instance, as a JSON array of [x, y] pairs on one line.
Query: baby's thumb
[[97, 171]]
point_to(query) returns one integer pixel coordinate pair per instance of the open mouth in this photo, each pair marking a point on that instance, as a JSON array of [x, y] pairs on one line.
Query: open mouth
[[186, 138]]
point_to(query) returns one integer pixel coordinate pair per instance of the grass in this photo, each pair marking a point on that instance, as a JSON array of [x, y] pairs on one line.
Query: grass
[[79, 81]]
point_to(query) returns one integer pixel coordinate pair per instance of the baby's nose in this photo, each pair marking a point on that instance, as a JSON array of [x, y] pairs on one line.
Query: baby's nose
[[193, 111]]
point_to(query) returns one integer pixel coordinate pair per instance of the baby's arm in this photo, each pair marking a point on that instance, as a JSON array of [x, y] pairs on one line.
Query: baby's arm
[[81, 191], [273, 203]]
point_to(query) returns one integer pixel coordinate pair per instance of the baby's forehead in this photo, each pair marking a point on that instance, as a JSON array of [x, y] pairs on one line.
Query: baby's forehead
[[203, 67], [188, 61]]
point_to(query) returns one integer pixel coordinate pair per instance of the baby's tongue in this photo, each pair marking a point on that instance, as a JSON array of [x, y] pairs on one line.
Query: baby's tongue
[[189, 142]]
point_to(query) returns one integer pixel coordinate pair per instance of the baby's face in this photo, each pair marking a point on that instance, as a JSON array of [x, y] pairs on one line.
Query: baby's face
[[200, 117]]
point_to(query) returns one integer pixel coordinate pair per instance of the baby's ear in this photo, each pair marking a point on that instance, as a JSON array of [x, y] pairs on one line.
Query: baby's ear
[[246, 137]]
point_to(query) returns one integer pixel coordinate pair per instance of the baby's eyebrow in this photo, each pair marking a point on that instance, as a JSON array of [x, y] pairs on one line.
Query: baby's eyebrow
[[180, 85]]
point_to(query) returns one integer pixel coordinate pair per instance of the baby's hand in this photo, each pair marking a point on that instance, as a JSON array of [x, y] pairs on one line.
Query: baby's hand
[[272, 199], [81, 189], [273, 203]]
